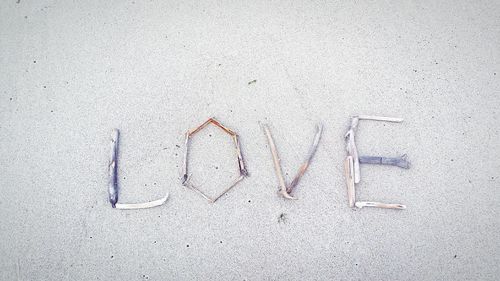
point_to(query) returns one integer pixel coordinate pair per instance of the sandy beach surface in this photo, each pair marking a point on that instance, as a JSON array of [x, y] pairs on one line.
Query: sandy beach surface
[[71, 71]]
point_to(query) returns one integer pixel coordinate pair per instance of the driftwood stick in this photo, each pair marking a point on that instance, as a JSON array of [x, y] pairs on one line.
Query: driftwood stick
[[224, 128], [401, 161], [352, 149], [189, 185], [199, 128], [211, 121], [240, 178], [277, 165], [380, 205], [380, 118], [241, 163], [351, 191], [134, 206], [185, 175], [303, 168], [113, 168]]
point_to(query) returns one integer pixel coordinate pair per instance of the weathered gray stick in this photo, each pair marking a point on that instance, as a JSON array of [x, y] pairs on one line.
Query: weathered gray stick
[[184, 164], [303, 168], [277, 165], [401, 161], [241, 163], [380, 118], [351, 148], [113, 168], [240, 178], [380, 205], [351, 192], [145, 205], [189, 185]]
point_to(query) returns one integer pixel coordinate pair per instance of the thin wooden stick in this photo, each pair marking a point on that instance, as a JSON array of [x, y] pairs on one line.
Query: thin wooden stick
[[352, 149], [351, 191], [224, 128], [380, 205], [303, 168], [277, 166], [241, 163], [240, 178], [401, 161], [189, 185], [113, 168], [211, 121], [145, 205], [185, 175], [380, 118], [199, 128]]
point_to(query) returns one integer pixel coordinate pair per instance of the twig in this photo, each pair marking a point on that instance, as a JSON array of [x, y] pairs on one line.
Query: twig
[[241, 162], [401, 161], [380, 205], [113, 169], [380, 118], [303, 168], [133, 206], [240, 178], [189, 185], [351, 191], [351, 148], [277, 166], [185, 175]]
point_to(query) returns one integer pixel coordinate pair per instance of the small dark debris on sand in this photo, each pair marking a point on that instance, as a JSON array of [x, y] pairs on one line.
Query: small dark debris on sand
[[282, 218], [252, 82]]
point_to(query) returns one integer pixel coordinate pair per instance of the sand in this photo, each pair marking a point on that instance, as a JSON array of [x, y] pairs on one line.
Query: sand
[[70, 71]]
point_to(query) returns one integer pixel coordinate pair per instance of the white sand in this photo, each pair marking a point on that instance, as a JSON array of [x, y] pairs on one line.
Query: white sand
[[156, 69]]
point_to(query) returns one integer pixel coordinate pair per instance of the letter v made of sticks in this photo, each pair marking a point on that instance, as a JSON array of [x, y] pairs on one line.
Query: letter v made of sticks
[[285, 190]]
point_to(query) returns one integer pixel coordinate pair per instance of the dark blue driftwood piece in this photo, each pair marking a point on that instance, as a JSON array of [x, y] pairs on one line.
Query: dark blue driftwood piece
[[401, 161]]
